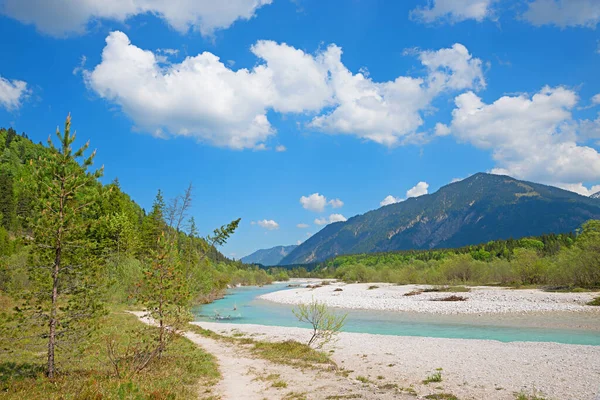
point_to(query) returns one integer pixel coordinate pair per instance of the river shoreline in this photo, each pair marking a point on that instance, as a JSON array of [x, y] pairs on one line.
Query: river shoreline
[[480, 300], [471, 369]]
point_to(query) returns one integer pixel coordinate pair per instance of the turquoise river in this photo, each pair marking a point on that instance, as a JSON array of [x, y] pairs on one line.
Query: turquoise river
[[572, 328]]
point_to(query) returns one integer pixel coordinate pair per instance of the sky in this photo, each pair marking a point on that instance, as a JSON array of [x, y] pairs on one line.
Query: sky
[[293, 114]]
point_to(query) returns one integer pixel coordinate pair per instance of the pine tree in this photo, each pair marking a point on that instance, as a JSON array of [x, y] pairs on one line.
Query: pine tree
[[65, 276]]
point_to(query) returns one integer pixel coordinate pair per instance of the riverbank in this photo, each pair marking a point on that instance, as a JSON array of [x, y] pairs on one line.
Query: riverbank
[[470, 369], [478, 300]]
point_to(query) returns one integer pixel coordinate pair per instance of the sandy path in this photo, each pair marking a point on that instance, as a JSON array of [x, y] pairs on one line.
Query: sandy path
[[471, 369], [247, 377]]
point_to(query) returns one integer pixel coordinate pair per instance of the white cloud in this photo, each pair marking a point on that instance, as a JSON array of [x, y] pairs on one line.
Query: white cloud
[[299, 82], [268, 224], [389, 113], [302, 226], [530, 138], [281, 148], [169, 52], [390, 200], [337, 218], [298, 242], [12, 93], [580, 188], [336, 203], [199, 98], [332, 218], [205, 99], [563, 13], [418, 190], [65, 17], [453, 10], [441, 129], [315, 202], [596, 99]]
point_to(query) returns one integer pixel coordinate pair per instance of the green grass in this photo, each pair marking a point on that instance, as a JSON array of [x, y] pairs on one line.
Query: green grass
[[595, 302], [289, 352], [441, 396], [181, 373], [292, 353], [524, 396], [435, 377], [363, 379], [279, 384]]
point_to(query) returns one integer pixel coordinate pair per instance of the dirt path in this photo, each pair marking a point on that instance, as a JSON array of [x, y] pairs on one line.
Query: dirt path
[[246, 377]]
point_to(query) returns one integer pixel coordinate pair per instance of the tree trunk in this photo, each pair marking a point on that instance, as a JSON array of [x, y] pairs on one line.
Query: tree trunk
[[51, 369], [53, 311]]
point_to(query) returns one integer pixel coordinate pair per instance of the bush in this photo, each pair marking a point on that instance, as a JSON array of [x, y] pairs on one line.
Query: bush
[[325, 324]]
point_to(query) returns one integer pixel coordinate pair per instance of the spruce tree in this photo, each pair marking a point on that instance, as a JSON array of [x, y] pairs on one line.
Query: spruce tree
[[64, 273]]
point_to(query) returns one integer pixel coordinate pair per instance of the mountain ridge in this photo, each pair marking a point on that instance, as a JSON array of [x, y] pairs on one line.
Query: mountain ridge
[[268, 257], [477, 209]]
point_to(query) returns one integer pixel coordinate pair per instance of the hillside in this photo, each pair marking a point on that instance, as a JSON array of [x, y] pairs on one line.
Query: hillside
[[268, 257], [595, 195], [478, 209]]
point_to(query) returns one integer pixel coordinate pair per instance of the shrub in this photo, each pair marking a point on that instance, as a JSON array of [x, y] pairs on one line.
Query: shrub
[[325, 324]]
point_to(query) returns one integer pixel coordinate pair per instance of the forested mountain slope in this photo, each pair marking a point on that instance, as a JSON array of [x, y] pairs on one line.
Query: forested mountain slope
[[475, 210]]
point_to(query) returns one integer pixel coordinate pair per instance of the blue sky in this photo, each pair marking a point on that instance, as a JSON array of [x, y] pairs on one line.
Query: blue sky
[[351, 104]]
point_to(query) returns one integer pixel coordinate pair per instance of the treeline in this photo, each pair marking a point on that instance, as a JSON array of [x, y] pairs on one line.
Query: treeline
[[122, 232], [72, 248], [562, 260]]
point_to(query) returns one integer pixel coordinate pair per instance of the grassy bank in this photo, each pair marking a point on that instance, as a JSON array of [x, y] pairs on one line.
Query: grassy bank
[[184, 372]]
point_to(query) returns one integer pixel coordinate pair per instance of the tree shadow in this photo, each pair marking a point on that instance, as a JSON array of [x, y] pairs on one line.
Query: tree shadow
[[11, 370]]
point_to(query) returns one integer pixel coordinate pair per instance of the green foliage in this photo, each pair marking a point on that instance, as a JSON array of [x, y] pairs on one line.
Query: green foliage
[[558, 260], [434, 377], [65, 277], [324, 323], [91, 374]]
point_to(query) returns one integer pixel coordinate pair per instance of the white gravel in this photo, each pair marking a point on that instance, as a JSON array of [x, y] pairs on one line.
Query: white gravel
[[471, 369], [480, 300]]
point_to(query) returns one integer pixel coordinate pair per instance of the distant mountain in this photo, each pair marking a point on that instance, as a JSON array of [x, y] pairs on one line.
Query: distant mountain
[[595, 195], [475, 210], [268, 257]]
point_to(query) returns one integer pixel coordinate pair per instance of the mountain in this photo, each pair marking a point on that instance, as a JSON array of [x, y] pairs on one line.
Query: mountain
[[268, 257], [595, 195], [475, 210]]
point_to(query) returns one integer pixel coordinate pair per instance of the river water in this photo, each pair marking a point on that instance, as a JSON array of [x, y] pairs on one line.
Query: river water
[[571, 328]]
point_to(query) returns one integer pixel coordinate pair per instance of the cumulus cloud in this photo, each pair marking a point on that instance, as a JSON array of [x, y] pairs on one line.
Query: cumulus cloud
[[12, 93], [419, 189], [336, 203], [453, 11], [315, 202], [199, 98], [389, 200], [268, 224], [205, 99], [596, 99], [563, 13], [389, 113], [281, 148], [331, 219], [532, 138], [66, 17], [579, 188], [302, 226]]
